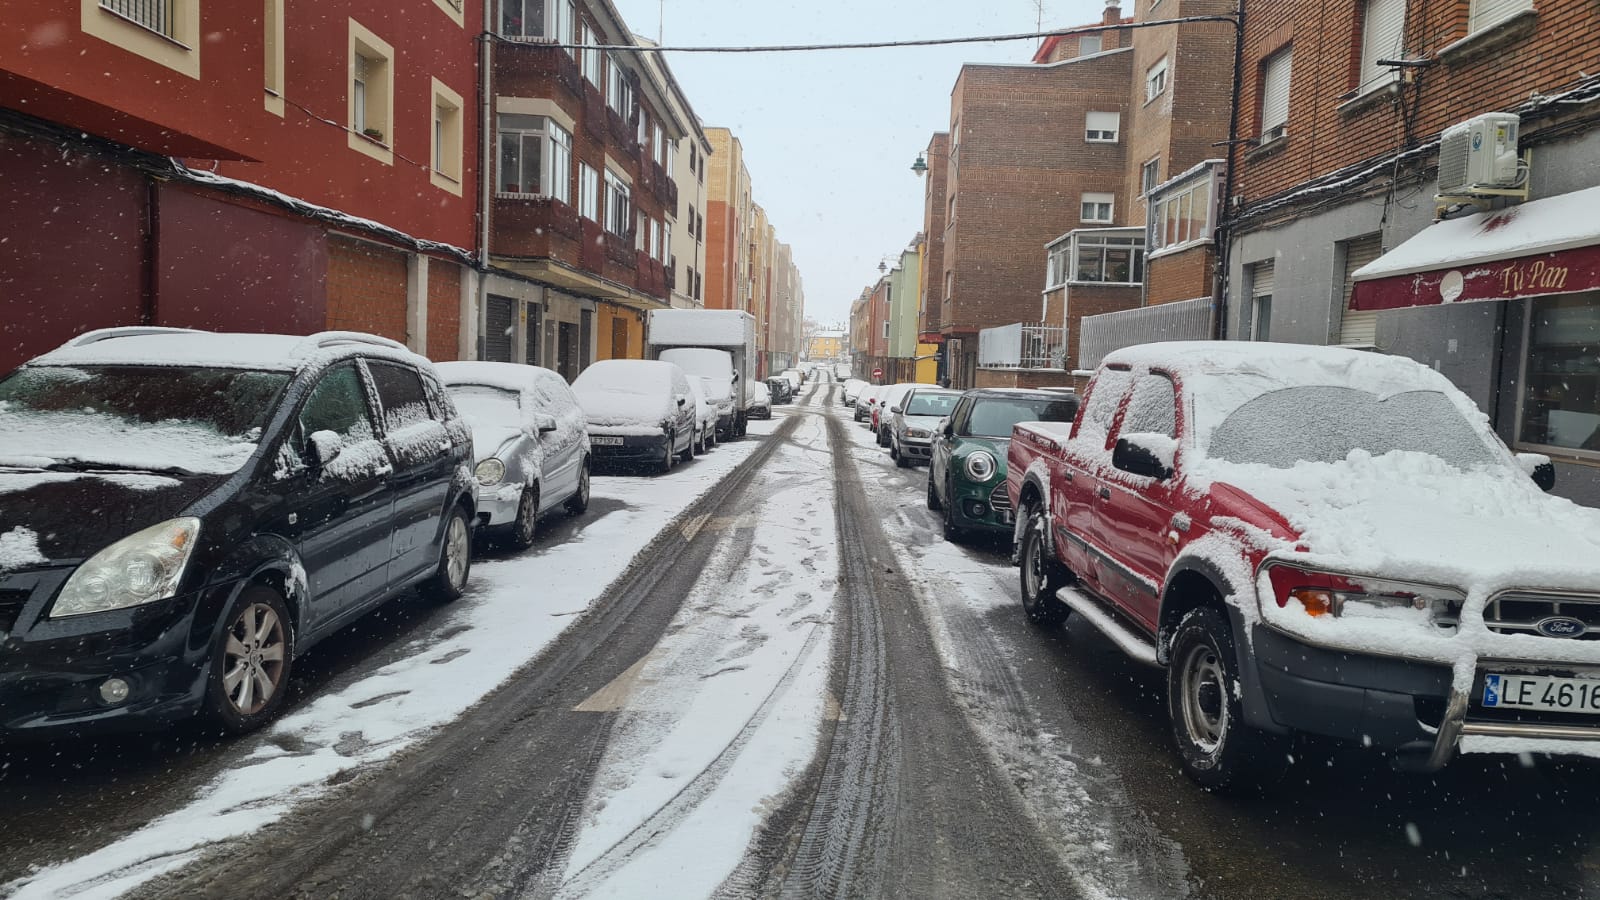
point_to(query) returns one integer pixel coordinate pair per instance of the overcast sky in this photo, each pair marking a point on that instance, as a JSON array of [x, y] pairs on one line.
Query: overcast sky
[[829, 137]]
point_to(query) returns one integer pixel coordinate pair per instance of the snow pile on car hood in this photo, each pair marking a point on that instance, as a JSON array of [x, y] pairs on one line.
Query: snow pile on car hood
[[19, 547]]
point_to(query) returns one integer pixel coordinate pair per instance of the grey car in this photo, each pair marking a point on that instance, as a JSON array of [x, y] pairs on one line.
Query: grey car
[[912, 422], [530, 444]]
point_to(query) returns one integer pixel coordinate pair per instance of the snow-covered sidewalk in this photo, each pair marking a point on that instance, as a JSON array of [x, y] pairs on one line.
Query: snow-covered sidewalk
[[514, 609]]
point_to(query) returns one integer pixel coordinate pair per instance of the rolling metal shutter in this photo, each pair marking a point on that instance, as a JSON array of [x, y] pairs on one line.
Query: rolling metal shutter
[[1261, 283], [1382, 37], [499, 323], [1275, 94], [1488, 12], [1358, 327]]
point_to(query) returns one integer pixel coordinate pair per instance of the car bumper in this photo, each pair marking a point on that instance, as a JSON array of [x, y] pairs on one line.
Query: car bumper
[[983, 507], [759, 412], [497, 504], [634, 448], [915, 448], [51, 673]]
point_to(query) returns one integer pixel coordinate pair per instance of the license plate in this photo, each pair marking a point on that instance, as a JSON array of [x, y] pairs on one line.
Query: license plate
[[1543, 692], [605, 440]]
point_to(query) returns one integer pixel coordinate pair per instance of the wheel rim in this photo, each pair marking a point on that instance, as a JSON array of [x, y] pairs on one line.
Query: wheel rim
[[253, 659], [1205, 709], [583, 485], [527, 517], [455, 552], [1032, 568]]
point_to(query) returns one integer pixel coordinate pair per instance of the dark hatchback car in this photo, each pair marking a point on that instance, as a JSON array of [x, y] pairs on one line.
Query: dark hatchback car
[[183, 513], [782, 389], [967, 468]]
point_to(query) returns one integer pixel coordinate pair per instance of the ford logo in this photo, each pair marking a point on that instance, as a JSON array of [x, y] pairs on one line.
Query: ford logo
[[1560, 627]]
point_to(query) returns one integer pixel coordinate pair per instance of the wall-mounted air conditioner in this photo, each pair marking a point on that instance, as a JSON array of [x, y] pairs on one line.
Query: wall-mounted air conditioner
[[1480, 155]]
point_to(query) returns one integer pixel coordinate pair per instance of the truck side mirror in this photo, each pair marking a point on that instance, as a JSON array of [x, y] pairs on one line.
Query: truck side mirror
[[1150, 455]]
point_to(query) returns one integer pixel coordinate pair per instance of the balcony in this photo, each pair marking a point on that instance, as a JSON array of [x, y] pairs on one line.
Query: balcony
[[595, 112], [1020, 346], [622, 133], [530, 68], [592, 249], [620, 251], [531, 226], [652, 278]]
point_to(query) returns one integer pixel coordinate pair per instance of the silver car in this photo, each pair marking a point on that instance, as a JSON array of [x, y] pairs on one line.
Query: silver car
[[530, 444], [912, 421]]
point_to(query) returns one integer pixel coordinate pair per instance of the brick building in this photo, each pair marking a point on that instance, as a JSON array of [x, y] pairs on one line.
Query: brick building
[[154, 177], [930, 296], [1333, 237], [687, 247]]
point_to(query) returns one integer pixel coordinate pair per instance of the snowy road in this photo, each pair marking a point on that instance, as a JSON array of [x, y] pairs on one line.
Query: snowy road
[[762, 675]]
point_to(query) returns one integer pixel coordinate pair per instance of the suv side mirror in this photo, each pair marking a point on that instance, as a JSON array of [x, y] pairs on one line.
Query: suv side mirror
[[543, 423], [1539, 468], [948, 428], [1151, 455]]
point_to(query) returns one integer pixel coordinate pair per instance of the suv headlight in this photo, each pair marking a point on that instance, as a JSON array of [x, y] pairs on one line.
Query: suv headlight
[[489, 472], [916, 432], [1358, 596], [980, 465], [141, 568]]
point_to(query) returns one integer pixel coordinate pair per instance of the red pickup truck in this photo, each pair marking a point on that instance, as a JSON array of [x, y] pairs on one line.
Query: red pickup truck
[[1314, 540]]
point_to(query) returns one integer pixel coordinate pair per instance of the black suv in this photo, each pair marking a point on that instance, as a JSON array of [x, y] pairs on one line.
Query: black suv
[[182, 513]]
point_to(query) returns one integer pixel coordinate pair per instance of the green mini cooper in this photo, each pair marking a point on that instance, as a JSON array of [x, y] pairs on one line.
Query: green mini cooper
[[967, 472]]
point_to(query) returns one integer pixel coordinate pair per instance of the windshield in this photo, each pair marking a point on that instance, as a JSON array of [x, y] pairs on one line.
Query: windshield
[[993, 417], [1325, 423], [135, 417], [923, 403], [487, 405]]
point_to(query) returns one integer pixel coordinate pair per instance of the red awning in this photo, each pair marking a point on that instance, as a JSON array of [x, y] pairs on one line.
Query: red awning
[[1549, 246]]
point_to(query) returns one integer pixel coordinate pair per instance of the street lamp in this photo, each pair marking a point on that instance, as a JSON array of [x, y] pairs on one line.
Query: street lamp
[[920, 167], [882, 267]]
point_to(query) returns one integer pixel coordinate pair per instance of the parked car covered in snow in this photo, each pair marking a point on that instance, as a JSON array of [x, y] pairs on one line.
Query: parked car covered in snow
[[183, 513], [1320, 541], [638, 411], [865, 400], [705, 415], [760, 401], [889, 398], [718, 382], [782, 389], [967, 459], [914, 419], [530, 443], [852, 388]]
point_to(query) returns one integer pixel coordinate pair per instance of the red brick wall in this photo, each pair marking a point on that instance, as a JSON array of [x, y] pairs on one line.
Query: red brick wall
[[933, 222], [1093, 300], [1538, 54], [1180, 276], [1020, 378], [444, 310], [366, 289]]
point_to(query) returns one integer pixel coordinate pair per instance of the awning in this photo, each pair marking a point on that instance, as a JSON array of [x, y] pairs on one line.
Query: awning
[[1548, 246]]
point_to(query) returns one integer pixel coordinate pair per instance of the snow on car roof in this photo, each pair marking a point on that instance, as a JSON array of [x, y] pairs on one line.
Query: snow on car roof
[[1288, 363], [211, 349]]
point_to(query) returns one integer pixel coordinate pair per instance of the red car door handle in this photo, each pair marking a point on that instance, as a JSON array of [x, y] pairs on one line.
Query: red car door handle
[[1105, 493]]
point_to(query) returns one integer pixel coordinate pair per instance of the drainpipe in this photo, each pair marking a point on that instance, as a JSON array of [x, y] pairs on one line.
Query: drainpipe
[[1223, 237], [485, 167]]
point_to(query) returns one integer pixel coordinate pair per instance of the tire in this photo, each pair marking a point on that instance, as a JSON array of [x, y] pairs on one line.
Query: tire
[[525, 527], [1041, 577], [883, 437], [668, 455], [1215, 746], [260, 632], [933, 493], [449, 580], [698, 448], [952, 531], [688, 450], [578, 503], [899, 458]]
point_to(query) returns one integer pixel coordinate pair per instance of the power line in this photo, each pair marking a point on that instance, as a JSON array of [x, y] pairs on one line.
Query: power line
[[874, 45]]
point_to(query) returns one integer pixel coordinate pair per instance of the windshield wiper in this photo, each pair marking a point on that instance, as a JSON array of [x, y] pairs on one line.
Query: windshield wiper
[[79, 465]]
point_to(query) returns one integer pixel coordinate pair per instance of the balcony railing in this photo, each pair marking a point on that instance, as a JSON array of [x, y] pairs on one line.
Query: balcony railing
[[156, 15], [1020, 346]]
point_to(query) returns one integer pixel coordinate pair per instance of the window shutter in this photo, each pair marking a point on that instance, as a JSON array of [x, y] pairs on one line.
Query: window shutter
[[1382, 37], [1490, 12], [1358, 327], [1275, 95], [498, 324], [1103, 125], [1261, 280]]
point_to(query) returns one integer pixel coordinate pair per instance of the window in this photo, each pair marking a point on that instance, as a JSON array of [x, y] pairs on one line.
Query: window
[[886, 331], [641, 237], [1383, 27], [1275, 95], [156, 15], [619, 91], [1261, 283], [592, 66], [644, 129], [272, 69], [371, 103], [1149, 176], [1105, 395], [672, 156], [166, 32], [1089, 43], [693, 153], [1560, 405], [1097, 207], [1357, 327], [950, 213], [401, 395], [1155, 80], [618, 208], [1152, 409], [1485, 14], [446, 162], [692, 232], [1102, 127], [1055, 272], [535, 158], [337, 404], [588, 193], [536, 20], [665, 240], [1105, 257], [949, 285], [1182, 214], [658, 143]]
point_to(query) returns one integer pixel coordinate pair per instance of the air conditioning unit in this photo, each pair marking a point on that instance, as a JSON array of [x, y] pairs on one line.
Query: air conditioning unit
[[1479, 154]]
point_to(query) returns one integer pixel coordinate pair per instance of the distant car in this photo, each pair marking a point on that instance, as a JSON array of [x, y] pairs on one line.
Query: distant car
[[638, 410], [715, 368], [796, 378], [782, 389], [912, 423], [841, 371], [530, 443], [851, 390], [887, 400], [967, 466], [705, 415], [183, 514], [760, 401], [864, 401]]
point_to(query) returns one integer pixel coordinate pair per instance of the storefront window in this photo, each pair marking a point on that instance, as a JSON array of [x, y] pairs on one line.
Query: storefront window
[[1561, 403]]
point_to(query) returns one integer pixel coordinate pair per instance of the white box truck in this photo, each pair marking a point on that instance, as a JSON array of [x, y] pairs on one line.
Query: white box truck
[[677, 334]]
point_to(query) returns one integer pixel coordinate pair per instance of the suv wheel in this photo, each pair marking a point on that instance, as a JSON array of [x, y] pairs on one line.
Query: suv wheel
[[526, 526], [1042, 576], [578, 503], [250, 661], [1217, 749], [449, 580], [933, 492]]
